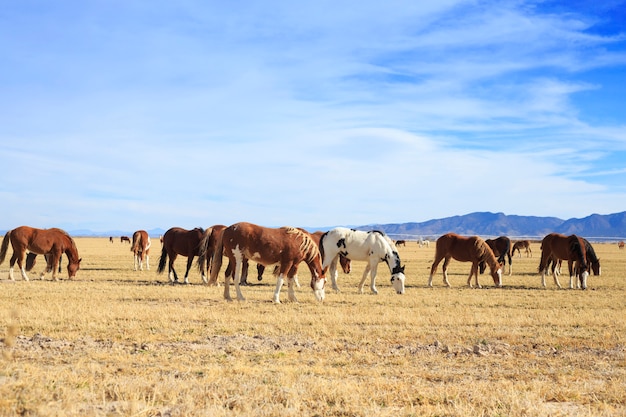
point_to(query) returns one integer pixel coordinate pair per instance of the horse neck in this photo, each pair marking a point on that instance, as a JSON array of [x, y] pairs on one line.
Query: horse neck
[[71, 251], [392, 257]]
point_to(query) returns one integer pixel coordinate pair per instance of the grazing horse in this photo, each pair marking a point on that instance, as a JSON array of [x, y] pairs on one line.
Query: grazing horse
[[345, 263], [400, 242], [50, 242], [179, 241], [356, 245], [465, 249], [141, 249], [556, 246], [124, 239], [501, 247], [620, 244], [423, 242], [522, 244], [287, 246]]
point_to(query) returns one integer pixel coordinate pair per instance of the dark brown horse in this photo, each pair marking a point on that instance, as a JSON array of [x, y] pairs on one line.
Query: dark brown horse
[[124, 239], [286, 246], [141, 249], [178, 241], [465, 249], [620, 244], [50, 242], [522, 244], [501, 247], [400, 243], [556, 246]]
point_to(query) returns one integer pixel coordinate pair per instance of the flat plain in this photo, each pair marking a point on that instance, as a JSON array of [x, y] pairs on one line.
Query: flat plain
[[119, 342]]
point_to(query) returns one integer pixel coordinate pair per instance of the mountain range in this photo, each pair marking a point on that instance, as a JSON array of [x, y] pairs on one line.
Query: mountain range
[[486, 224]]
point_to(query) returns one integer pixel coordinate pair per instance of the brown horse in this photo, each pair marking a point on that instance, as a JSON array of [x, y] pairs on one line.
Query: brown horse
[[501, 247], [346, 264], [124, 239], [465, 249], [179, 241], [287, 246], [620, 244], [50, 242], [141, 249], [400, 242], [556, 246], [522, 244]]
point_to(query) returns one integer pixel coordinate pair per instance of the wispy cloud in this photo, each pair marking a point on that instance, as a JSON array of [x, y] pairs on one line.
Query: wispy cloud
[[156, 114]]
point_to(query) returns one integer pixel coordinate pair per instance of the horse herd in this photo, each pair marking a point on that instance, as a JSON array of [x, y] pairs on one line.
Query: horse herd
[[287, 247]]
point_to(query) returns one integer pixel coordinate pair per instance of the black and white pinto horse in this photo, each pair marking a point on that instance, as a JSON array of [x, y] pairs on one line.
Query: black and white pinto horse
[[373, 247]]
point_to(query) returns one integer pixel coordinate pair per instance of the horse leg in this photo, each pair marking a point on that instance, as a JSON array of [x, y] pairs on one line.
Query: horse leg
[[292, 281], [362, 283], [556, 276], [474, 272], [373, 272], [52, 265], [433, 269], [171, 272], [572, 274], [240, 260], [189, 262], [279, 285], [333, 273], [19, 257], [444, 267]]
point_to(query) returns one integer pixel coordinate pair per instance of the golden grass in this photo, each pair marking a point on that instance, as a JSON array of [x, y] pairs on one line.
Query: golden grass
[[119, 342]]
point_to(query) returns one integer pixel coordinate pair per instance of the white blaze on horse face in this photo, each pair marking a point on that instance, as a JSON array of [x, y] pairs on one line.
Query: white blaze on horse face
[[584, 279], [318, 289], [499, 272], [397, 281]]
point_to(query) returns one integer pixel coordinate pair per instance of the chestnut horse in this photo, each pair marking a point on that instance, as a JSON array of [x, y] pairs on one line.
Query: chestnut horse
[[620, 244], [346, 265], [556, 246], [141, 249], [501, 247], [522, 244], [179, 241], [465, 249], [50, 242], [287, 246], [357, 245], [124, 239], [592, 260]]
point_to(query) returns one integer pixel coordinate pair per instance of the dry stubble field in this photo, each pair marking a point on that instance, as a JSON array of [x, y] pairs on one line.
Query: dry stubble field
[[120, 342]]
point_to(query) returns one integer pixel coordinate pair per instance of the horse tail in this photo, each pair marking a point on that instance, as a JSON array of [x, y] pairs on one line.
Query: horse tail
[[5, 246], [203, 248], [135, 246], [216, 263], [162, 260]]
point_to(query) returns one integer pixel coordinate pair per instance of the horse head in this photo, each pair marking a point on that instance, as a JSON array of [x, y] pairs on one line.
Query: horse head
[[318, 283], [497, 277], [397, 279], [72, 268]]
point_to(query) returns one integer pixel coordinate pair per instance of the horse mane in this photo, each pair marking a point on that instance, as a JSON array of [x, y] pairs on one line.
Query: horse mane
[[307, 246], [485, 254], [577, 245]]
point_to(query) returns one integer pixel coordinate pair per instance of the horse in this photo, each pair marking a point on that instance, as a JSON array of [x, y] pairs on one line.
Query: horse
[[31, 260], [522, 244], [345, 263], [51, 242], [423, 242], [400, 242], [592, 260], [124, 239], [465, 249], [357, 245], [141, 249], [287, 246], [620, 244], [179, 241], [556, 246], [111, 239], [501, 247]]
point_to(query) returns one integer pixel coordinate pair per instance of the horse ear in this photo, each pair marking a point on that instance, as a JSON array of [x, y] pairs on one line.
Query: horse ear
[[402, 268], [80, 259]]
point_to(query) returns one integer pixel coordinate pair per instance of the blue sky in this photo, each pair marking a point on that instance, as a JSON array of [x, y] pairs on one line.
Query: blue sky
[[145, 114]]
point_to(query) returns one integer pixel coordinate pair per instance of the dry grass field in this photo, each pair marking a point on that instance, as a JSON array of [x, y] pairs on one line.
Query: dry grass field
[[118, 342]]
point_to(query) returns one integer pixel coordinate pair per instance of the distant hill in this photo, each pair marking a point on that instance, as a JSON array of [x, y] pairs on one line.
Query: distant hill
[[596, 226]]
